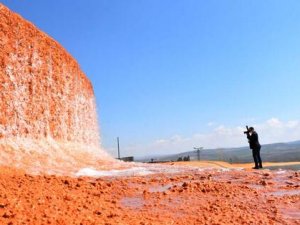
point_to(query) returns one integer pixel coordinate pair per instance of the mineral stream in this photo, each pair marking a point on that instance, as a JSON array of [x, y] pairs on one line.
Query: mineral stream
[[48, 118]]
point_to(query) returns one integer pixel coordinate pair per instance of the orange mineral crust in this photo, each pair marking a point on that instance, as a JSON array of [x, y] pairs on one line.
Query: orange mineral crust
[[191, 197], [47, 103]]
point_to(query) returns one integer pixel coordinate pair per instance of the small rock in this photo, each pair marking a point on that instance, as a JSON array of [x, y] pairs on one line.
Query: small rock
[[93, 184], [97, 212], [185, 184], [67, 198], [263, 182], [66, 182]]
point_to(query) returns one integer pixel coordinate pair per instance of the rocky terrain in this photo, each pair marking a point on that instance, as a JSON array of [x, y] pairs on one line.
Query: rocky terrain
[[192, 196]]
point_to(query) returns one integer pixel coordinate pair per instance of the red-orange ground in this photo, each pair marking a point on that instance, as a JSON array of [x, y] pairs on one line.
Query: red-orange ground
[[190, 197]]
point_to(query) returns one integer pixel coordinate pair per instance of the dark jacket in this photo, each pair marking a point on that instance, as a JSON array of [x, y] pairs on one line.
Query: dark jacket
[[253, 140]]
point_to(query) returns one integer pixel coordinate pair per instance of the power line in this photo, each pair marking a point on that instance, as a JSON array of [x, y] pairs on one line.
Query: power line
[[119, 157], [198, 151]]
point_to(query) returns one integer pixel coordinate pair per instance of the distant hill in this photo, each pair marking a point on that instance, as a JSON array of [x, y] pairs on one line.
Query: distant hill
[[277, 152]]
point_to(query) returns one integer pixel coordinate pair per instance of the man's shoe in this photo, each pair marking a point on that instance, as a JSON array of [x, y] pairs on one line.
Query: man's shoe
[[255, 168]]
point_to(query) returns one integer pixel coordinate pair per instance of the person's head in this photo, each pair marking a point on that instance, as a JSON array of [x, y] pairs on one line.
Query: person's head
[[251, 129]]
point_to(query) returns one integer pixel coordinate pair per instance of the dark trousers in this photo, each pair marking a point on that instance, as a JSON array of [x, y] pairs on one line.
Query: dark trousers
[[256, 157]]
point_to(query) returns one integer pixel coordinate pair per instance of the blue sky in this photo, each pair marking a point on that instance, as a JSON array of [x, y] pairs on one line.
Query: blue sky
[[167, 72]]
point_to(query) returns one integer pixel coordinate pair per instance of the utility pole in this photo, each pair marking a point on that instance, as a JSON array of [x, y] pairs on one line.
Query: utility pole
[[119, 157], [198, 151]]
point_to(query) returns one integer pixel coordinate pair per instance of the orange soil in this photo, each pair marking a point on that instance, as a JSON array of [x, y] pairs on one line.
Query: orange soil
[[192, 196]]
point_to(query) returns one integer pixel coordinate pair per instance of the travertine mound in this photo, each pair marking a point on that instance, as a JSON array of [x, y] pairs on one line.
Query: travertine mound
[[192, 197], [47, 104]]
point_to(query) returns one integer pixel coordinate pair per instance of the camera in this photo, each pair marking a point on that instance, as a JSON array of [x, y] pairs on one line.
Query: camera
[[247, 130]]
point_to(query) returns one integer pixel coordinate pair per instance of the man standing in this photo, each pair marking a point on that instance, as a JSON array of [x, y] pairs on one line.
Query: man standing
[[255, 146]]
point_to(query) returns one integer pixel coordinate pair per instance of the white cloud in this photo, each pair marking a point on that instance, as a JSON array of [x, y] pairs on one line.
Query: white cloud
[[293, 124], [275, 123], [210, 124], [270, 131], [275, 130]]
